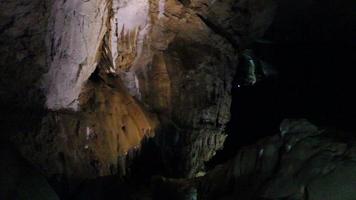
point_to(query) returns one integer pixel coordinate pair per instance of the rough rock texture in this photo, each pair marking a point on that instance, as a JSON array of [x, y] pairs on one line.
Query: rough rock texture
[[59, 56], [93, 142], [239, 21], [107, 74], [303, 162], [22, 53], [191, 88], [192, 125]]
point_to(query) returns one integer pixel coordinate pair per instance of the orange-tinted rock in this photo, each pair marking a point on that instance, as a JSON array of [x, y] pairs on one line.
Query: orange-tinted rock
[[89, 143]]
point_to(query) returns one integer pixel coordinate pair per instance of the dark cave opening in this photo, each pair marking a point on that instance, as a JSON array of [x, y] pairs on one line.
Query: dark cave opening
[[315, 81], [313, 51]]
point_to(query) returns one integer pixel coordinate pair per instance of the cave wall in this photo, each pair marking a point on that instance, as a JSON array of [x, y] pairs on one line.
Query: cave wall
[[23, 53], [108, 74], [301, 161]]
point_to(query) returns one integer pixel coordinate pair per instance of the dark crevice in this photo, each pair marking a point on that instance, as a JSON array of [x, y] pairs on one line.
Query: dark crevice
[[219, 31]]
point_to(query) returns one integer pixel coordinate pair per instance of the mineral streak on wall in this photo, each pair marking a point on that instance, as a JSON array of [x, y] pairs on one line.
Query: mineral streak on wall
[[76, 30], [130, 26], [94, 120]]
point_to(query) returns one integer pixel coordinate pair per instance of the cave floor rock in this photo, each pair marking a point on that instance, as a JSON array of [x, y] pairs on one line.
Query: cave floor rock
[[303, 162]]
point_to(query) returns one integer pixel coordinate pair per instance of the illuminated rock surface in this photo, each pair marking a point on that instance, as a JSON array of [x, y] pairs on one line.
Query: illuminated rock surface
[[112, 73], [96, 94]]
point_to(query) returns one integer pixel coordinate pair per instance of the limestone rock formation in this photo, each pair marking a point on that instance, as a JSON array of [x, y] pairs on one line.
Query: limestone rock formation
[[89, 88], [106, 74]]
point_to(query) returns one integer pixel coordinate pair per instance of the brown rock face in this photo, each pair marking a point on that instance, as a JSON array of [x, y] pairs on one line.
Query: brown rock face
[[95, 141], [188, 80], [191, 89], [114, 72]]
